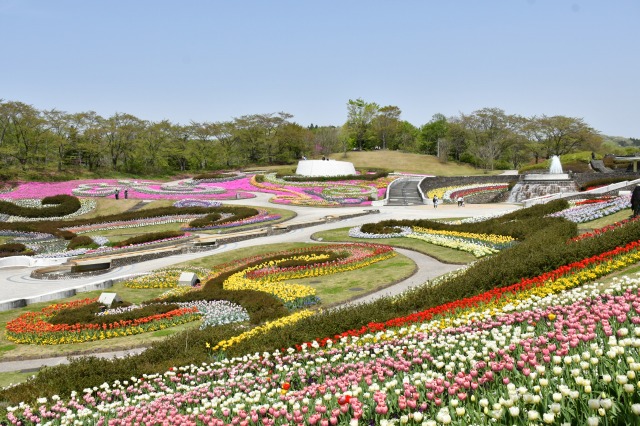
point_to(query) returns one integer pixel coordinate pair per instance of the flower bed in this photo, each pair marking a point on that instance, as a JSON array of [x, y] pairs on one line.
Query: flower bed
[[33, 327], [478, 244], [451, 193], [570, 361], [588, 212]]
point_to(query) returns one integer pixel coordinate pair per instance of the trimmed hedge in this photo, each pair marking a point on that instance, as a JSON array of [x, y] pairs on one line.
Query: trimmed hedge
[[86, 314], [14, 249], [146, 238], [52, 227], [81, 241], [61, 205]]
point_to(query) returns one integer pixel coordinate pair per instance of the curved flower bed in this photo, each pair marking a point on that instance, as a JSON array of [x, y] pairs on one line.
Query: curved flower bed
[[165, 278], [33, 327], [313, 193], [572, 360], [588, 212], [136, 223], [356, 232], [85, 207], [450, 194], [188, 202], [269, 277], [262, 216], [477, 244], [137, 189]]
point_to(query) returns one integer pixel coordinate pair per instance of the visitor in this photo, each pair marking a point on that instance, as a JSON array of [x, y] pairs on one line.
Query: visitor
[[126, 193], [460, 202], [117, 194], [635, 201], [304, 158], [435, 201]]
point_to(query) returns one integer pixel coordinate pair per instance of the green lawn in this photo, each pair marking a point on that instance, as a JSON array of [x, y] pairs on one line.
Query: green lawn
[[443, 254]]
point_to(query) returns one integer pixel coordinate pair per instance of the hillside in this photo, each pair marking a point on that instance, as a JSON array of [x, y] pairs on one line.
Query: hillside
[[409, 163]]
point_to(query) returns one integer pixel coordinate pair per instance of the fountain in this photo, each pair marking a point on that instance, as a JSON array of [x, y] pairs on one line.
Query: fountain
[[533, 185]]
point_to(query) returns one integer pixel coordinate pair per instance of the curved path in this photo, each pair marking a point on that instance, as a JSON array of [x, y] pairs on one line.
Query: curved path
[[17, 283]]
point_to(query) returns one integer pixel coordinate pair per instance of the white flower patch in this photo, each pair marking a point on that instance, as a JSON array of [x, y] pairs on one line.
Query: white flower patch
[[86, 205], [356, 232]]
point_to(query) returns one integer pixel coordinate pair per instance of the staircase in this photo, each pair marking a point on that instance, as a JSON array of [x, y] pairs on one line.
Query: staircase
[[404, 192]]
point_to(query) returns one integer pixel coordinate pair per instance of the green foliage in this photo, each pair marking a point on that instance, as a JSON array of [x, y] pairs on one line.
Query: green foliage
[[213, 175], [145, 238], [86, 314], [62, 205], [209, 219], [52, 227], [14, 249], [81, 241]]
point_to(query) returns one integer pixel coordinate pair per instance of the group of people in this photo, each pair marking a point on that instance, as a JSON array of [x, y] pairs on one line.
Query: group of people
[[436, 201], [126, 193]]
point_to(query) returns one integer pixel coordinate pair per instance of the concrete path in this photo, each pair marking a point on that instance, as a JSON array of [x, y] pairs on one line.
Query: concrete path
[[17, 283]]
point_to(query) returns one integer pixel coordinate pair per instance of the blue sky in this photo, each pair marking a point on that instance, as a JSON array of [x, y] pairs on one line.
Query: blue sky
[[215, 60]]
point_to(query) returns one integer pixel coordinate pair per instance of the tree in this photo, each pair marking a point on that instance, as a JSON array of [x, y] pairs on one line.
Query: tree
[[359, 117], [326, 140], [488, 133], [563, 135], [22, 134], [386, 124], [432, 132]]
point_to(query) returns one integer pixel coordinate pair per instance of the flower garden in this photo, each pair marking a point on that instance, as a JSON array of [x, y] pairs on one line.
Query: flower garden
[[451, 194], [233, 187], [529, 335], [525, 336], [86, 320]]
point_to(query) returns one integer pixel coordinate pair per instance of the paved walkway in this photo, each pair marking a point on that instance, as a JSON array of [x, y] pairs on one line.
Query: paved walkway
[[17, 283]]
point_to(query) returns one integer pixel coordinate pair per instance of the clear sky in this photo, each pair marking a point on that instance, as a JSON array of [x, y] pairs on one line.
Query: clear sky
[[185, 60]]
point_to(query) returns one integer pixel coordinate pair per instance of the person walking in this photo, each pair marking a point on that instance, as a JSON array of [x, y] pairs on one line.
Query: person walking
[[435, 201], [460, 202], [126, 194], [117, 194]]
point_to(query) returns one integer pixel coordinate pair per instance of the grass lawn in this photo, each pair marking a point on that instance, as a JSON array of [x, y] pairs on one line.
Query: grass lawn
[[409, 163], [443, 254], [108, 206]]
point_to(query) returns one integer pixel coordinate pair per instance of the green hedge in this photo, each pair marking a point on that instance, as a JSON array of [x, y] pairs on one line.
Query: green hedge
[[52, 227], [14, 249], [86, 314], [61, 205], [81, 241], [146, 238]]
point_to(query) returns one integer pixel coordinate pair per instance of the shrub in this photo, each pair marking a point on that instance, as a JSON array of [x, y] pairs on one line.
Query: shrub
[[208, 220], [86, 314], [62, 205], [145, 238], [81, 241]]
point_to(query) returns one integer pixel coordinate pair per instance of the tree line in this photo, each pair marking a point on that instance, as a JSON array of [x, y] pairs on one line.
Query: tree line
[[32, 139]]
